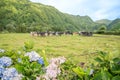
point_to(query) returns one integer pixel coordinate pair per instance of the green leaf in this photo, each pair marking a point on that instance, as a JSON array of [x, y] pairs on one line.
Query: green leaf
[[28, 45], [102, 54], [106, 75], [116, 78], [87, 77], [115, 68], [116, 60], [97, 76], [98, 59], [44, 58], [79, 72], [19, 68]]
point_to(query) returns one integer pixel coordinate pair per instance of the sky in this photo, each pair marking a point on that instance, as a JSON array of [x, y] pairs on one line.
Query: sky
[[96, 9]]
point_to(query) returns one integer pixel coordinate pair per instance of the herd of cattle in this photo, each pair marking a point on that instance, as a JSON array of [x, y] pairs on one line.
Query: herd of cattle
[[50, 33]]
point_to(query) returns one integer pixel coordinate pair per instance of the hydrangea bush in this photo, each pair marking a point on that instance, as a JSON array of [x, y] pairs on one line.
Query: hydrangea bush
[[29, 64], [7, 72]]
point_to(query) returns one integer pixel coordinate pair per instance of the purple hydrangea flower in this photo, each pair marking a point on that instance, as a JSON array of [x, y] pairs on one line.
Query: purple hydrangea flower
[[33, 56], [5, 61], [10, 74]]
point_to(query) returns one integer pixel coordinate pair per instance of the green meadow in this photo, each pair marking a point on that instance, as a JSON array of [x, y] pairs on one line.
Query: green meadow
[[77, 48]]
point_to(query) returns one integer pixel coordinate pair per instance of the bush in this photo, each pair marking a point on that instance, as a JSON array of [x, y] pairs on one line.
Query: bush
[[5, 31]]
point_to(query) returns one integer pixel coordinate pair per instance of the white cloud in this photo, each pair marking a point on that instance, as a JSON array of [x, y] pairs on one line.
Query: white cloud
[[100, 14]]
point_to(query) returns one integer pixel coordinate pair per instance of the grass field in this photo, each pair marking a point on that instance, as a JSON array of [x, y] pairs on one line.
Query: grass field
[[78, 48]]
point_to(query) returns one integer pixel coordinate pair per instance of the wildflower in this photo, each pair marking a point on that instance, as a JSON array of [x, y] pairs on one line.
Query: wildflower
[[5, 61], [40, 61], [2, 50], [11, 74], [33, 56]]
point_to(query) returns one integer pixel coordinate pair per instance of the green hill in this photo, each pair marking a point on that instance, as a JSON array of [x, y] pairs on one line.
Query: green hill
[[114, 25], [104, 21], [26, 16]]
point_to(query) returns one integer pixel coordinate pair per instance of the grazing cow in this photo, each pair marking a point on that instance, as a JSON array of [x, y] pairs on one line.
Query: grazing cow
[[34, 33], [49, 33], [75, 33], [43, 34], [60, 33], [54, 33], [85, 33], [68, 33]]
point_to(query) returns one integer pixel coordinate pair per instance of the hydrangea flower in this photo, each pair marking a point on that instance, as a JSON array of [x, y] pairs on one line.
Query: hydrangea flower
[[52, 70], [1, 70], [40, 61], [11, 74], [58, 60], [5, 61], [33, 56], [2, 50]]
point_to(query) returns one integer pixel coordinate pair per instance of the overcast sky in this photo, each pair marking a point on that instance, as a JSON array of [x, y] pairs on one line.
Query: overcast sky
[[96, 9]]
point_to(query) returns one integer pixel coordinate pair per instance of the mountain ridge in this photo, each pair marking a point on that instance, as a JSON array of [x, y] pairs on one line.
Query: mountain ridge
[[26, 16]]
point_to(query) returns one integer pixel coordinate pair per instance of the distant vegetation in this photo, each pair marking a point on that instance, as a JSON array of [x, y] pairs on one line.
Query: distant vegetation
[[104, 21], [115, 25], [26, 16], [23, 16]]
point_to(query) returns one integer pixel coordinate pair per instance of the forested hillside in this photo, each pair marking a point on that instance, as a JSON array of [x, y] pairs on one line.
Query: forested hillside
[[104, 21], [26, 16], [114, 25]]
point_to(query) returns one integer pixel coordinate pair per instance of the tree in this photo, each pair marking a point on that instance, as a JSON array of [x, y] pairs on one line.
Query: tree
[[102, 29], [10, 27]]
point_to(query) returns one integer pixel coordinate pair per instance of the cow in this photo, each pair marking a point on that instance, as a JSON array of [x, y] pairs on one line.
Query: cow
[[68, 33], [85, 33]]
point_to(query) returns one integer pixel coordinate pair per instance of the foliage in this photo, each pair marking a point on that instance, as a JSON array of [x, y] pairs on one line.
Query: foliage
[[28, 45], [30, 70], [102, 29], [114, 25], [104, 21], [67, 71], [25, 16], [107, 68]]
